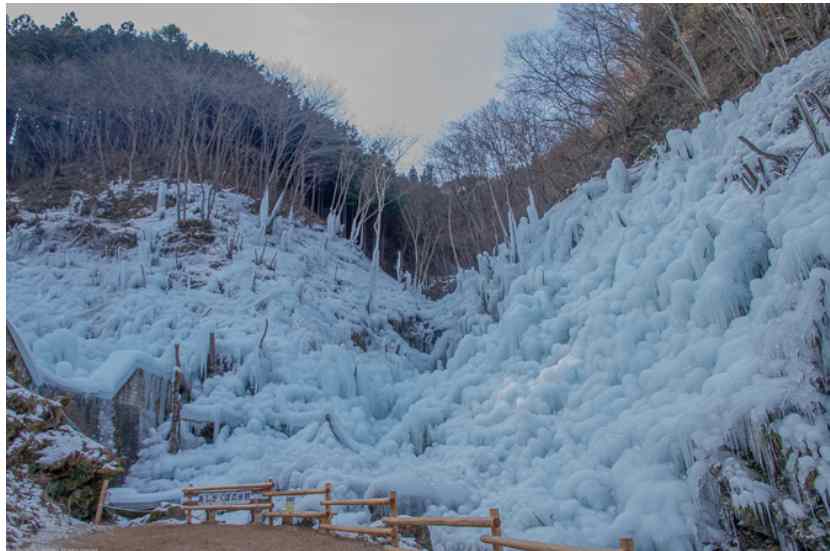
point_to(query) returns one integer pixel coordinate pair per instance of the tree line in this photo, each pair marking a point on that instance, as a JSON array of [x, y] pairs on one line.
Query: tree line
[[606, 81], [88, 106]]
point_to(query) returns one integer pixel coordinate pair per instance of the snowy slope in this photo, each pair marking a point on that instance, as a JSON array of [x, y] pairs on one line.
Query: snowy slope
[[89, 319], [647, 359]]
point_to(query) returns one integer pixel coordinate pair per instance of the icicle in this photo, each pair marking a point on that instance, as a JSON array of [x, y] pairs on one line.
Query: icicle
[[122, 273], [161, 203], [513, 244], [532, 213], [617, 177], [263, 210]]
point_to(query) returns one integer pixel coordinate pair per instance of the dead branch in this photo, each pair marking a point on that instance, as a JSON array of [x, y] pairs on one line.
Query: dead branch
[[821, 147], [750, 179], [264, 332], [825, 111], [763, 172], [771, 156], [620, 218]]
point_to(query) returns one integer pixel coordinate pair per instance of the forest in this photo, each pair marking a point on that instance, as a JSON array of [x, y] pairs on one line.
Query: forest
[[87, 106]]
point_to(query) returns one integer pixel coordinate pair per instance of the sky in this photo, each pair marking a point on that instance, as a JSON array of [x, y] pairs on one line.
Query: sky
[[403, 68]]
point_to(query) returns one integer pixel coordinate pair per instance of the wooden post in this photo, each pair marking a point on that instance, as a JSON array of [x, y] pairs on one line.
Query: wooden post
[[175, 378], [175, 421], [495, 527], [328, 505], [395, 539], [211, 366], [175, 406], [99, 512], [189, 511], [626, 544], [270, 499], [289, 508]]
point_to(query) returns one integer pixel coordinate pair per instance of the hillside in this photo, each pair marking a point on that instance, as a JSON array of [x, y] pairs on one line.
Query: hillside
[[659, 362], [648, 358]]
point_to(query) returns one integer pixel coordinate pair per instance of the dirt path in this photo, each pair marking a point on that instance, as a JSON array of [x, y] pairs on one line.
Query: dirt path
[[213, 537]]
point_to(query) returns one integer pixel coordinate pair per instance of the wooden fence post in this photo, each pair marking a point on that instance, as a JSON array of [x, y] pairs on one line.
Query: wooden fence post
[[393, 511], [99, 512], [189, 512], [328, 505], [495, 527], [626, 544], [270, 498], [175, 422]]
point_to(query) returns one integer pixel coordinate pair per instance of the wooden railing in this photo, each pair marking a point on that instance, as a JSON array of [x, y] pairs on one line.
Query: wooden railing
[[626, 544], [289, 516], [493, 522], [389, 533], [393, 522]]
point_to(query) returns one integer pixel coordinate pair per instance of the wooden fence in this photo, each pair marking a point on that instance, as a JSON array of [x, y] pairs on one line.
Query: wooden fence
[[493, 522], [393, 522], [389, 533], [289, 516], [626, 544]]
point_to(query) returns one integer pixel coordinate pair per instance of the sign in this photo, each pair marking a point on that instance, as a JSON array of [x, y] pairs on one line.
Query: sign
[[228, 498]]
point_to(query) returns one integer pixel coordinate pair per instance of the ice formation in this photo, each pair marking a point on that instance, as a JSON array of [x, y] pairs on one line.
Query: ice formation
[[649, 358]]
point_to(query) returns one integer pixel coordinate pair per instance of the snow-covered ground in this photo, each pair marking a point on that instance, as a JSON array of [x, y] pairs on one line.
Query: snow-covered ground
[[31, 518], [588, 380], [49, 465]]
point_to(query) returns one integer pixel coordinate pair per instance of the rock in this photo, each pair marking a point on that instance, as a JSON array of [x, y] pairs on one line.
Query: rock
[[104, 239], [15, 364], [71, 466], [361, 339], [168, 511], [13, 216], [421, 534]]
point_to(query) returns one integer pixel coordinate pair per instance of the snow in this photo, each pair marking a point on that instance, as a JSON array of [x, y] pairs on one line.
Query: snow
[[31, 518], [586, 376], [63, 442]]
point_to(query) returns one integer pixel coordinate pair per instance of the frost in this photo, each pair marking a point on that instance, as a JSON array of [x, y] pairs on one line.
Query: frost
[[589, 378]]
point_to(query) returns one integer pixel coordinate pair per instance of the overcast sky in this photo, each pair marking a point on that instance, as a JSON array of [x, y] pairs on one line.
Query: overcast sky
[[408, 68]]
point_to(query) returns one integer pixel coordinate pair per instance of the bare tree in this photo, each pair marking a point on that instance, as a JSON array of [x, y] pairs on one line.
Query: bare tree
[[423, 218], [348, 166], [385, 152]]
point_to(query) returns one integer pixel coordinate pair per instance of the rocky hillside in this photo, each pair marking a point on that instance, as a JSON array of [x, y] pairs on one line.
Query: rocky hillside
[[53, 472]]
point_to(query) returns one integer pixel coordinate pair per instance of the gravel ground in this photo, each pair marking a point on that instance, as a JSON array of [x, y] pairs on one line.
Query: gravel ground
[[213, 537]]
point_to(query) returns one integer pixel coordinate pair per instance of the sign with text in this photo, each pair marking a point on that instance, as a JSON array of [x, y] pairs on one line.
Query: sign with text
[[228, 498]]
